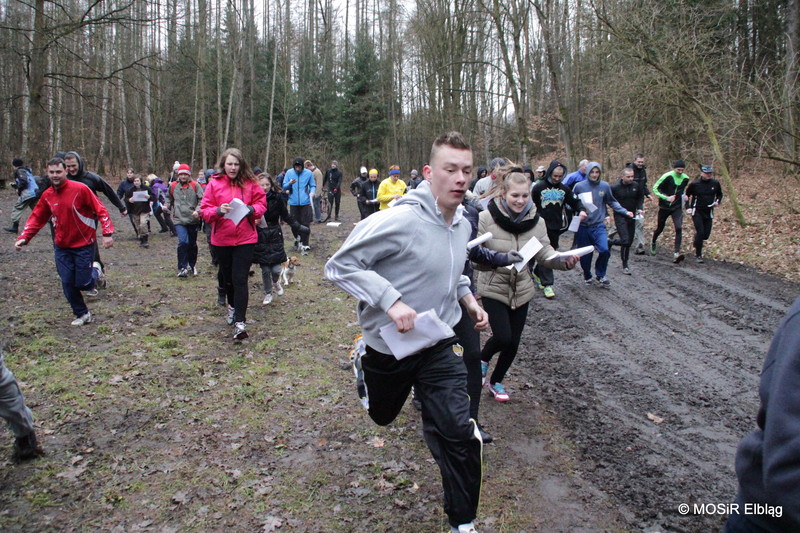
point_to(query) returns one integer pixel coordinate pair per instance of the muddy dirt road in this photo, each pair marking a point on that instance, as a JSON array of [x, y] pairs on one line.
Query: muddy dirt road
[[625, 402]]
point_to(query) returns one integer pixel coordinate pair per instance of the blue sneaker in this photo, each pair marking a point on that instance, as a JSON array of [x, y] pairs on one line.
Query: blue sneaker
[[484, 371]]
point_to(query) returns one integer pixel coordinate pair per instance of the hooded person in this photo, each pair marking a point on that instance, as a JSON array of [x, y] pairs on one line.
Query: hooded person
[[555, 203], [298, 183], [355, 190], [485, 184], [368, 196], [595, 194]]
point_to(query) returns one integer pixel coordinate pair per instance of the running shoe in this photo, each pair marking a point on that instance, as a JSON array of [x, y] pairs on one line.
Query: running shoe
[[101, 276], [240, 331], [677, 257], [220, 297], [359, 349], [626, 270], [699, 259], [484, 371], [92, 292], [279, 289], [267, 299], [537, 281], [194, 271], [604, 281], [653, 247], [588, 281], [229, 317], [549, 293], [182, 273], [82, 320], [498, 391]]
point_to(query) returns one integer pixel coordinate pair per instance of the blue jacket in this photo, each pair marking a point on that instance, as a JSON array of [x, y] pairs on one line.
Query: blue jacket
[[300, 190], [575, 177], [601, 197]]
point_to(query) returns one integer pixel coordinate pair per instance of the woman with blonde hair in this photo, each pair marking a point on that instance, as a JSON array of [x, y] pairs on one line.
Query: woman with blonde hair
[[230, 191], [505, 293]]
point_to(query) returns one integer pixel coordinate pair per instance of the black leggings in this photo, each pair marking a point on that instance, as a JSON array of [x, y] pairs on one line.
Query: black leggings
[[626, 228], [334, 198], [507, 325], [470, 340], [234, 265], [702, 230], [677, 219]]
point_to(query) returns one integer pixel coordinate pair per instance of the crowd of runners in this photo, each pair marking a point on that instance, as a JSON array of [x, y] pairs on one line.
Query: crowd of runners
[[486, 240]]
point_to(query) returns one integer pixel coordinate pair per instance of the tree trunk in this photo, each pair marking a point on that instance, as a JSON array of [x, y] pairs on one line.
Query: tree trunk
[[789, 96]]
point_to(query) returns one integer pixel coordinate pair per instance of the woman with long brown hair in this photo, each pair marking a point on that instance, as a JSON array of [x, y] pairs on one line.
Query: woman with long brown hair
[[234, 242]]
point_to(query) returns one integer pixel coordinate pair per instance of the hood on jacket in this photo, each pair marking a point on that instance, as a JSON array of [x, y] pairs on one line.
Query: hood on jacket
[[77, 157], [590, 166], [554, 164], [423, 197]]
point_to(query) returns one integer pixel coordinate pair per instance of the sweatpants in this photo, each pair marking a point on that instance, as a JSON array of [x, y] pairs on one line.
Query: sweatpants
[[507, 325], [626, 228], [334, 198], [596, 236], [677, 219], [270, 274], [303, 214], [74, 266], [234, 265], [20, 205], [470, 340], [545, 274], [438, 376], [12, 404], [702, 229]]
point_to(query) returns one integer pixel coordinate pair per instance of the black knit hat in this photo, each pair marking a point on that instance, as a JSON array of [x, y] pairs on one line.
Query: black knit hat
[[679, 164], [17, 162]]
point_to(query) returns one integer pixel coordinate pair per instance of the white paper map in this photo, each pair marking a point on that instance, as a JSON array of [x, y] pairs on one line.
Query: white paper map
[[530, 249], [238, 212], [428, 330], [588, 203], [140, 196]]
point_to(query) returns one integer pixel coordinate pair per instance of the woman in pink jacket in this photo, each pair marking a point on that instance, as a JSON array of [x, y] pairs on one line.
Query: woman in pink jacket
[[231, 192]]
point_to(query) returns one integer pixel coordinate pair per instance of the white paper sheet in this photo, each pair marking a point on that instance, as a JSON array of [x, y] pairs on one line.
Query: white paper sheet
[[530, 249], [140, 196], [588, 203], [428, 330], [334, 224], [577, 251], [574, 224], [239, 211], [479, 240]]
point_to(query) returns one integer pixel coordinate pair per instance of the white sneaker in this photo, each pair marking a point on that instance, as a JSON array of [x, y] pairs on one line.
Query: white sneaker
[[279, 289], [81, 320], [182, 273], [240, 331], [194, 271], [101, 276], [231, 312], [92, 292], [464, 528], [267, 299]]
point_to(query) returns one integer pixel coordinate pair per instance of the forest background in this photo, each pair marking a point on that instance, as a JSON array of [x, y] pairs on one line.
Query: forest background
[[372, 82]]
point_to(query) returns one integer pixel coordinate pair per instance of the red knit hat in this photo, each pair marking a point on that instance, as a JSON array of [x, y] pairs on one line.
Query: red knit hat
[[184, 169]]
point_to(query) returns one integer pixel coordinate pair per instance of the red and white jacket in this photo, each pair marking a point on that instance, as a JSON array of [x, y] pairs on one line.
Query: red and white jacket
[[75, 211], [224, 232]]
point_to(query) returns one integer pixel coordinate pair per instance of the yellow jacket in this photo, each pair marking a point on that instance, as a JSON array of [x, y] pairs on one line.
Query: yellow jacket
[[387, 190]]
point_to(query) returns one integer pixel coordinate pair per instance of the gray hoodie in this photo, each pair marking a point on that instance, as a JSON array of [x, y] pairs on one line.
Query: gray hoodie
[[382, 261]]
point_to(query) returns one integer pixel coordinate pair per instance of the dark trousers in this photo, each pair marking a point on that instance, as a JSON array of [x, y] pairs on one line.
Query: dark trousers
[[545, 274], [187, 245], [234, 265], [677, 219], [74, 266], [304, 214], [702, 229], [470, 341], [362, 209], [597, 236], [334, 198], [439, 379], [164, 220], [626, 229], [507, 325]]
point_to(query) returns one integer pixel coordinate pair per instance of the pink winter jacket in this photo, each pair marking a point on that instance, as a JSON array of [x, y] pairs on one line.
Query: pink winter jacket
[[224, 232]]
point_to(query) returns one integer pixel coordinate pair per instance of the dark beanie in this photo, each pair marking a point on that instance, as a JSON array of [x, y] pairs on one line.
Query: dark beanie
[[298, 161], [17, 162], [679, 164]]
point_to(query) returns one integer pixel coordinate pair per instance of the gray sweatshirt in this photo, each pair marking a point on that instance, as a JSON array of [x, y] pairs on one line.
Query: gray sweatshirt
[[407, 252], [601, 197]]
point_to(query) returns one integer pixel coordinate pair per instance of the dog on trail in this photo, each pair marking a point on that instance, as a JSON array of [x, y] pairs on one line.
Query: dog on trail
[[288, 269]]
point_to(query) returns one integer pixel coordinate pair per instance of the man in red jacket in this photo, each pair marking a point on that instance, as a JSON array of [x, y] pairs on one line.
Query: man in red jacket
[[75, 212]]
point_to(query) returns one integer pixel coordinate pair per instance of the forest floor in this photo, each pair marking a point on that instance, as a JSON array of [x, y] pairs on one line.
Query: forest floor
[[625, 402]]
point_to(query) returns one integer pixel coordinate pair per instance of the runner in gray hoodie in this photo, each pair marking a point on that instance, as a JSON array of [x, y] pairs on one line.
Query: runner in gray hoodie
[[394, 274]]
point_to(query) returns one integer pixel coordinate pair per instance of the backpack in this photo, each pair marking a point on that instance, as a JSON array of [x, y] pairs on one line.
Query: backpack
[[42, 182], [174, 183]]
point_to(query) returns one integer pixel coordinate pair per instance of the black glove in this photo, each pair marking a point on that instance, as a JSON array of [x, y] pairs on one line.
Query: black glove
[[251, 210], [509, 258]]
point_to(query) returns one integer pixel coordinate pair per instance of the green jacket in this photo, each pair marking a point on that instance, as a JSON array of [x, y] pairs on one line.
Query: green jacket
[[670, 184]]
